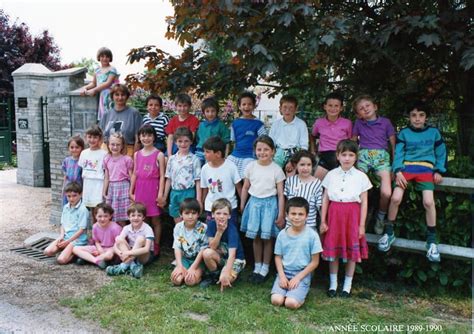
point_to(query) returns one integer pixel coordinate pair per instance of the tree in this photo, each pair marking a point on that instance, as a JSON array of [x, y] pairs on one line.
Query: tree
[[89, 63], [396, 51], [18, 46]]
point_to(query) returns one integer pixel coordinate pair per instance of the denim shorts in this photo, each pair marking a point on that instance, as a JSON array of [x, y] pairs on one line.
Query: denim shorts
[[299, 293], [258, 219]]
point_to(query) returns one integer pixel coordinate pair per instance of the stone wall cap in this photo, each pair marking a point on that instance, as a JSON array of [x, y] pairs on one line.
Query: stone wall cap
[[68, 72], [31, 69]]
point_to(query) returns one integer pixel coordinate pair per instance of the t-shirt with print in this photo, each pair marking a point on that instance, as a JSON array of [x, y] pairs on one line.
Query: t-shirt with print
[[183, 170], [220, 182], [230, 238], [190, 242]]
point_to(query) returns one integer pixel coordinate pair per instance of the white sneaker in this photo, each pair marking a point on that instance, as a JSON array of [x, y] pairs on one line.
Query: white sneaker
[[433, 254], [379, 226], [385, 242]]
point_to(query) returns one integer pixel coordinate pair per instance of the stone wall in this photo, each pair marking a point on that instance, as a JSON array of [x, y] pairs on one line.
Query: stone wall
[[66, 114]]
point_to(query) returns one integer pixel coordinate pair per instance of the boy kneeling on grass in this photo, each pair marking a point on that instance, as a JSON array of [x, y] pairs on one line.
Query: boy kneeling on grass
[[297, 251], [74, 220], [190, 240], [134, 245], [225, 256]]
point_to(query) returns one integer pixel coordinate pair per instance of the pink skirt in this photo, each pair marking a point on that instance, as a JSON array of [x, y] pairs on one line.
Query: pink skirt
[[341, 241]]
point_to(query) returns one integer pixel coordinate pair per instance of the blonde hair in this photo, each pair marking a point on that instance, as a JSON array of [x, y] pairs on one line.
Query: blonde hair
[[118, 136]]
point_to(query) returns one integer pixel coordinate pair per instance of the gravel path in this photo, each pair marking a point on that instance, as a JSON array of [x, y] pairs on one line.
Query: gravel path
[[30, 289]]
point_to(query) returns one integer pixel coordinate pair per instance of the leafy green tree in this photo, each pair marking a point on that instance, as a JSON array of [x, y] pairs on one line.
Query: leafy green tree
[[396, 51], [18, 46], [89, 63]]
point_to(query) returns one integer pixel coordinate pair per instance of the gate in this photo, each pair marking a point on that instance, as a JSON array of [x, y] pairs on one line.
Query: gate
[[45, 139], [6, 112]]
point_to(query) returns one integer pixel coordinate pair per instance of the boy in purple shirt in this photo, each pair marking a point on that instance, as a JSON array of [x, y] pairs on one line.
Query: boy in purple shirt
[[374, 134]]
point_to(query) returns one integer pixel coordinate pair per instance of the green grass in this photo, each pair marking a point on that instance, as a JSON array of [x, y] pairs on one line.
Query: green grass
[[152, 304]]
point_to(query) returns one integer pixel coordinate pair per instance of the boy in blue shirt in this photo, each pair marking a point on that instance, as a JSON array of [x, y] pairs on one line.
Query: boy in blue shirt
[[297, 251], [420, 156], [74, 220], [225, 257]]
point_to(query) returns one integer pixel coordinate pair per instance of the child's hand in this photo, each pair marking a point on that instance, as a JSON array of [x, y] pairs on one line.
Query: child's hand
[[400, 180], [95, 253], [178, 271], [190, 276], [280, 222], [132, 197], [323, 228], [361, 231], [224, 281], [221, 226], [63, 244], [161, 202], [294, 282], [437, 178], [289, 167], [90, 92], [284, 282]]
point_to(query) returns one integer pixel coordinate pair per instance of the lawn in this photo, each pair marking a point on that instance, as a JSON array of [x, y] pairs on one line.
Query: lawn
[[152, 304]]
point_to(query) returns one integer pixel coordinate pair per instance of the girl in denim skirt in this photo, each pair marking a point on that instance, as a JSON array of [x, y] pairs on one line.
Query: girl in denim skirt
[[263, 214]]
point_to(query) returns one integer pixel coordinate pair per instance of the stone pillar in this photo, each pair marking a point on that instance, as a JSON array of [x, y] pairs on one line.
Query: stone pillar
[[31, 81]]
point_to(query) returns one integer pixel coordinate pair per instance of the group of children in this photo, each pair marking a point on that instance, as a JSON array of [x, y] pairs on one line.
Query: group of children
[[271, 181]]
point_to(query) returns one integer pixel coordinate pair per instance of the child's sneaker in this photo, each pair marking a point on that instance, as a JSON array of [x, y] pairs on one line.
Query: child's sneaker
[[80, 261], [385, 242], [211, 279], [136, 269], [116, 270], [102, 264], [433, 253], [379, 226]]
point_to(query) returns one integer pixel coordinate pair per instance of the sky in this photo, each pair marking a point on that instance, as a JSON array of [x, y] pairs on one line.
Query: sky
[[80, 28]]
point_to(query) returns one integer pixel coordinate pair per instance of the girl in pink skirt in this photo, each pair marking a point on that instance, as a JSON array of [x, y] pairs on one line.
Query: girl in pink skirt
[[118, 171], [343, 215], [148, 180]]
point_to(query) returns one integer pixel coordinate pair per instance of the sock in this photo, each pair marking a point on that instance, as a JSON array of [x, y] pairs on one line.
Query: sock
[[381, 215], [258, 267], [264, 270], [347, 284], [389, 227], [431, 235], [332, 281]]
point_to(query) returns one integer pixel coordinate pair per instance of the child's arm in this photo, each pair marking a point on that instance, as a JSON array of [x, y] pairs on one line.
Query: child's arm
[[198, 192], [161, 165], [324, 212], [106, 183], [169, 145], [216, 239], [363, 213], [102, 86], [280, 222], [166, 192], [225, 278], [90, 85], [238, 188], [227, 150], [244, 194], [140, 251], [295, 281], [393, 140], [281, 273], [192, 271], [133, 178], [180, 269], [76, 235], [204, 192]]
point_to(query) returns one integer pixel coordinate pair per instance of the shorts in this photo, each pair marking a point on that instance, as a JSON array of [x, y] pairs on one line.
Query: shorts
[[187, 263], [282, 156], [237, 267], [327, 160], [377, 160], [151, 258], [299, 293], [91, 248], [258, 219], [233, 217], [240, 163], [176, 197], [421, 175]]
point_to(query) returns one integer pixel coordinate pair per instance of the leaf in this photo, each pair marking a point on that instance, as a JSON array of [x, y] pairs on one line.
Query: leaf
[[467, 60], [407, 273], [429, 39], [421, 275], [286, 19], [458, 282], [259, 48], [443, 278], [328, 39]]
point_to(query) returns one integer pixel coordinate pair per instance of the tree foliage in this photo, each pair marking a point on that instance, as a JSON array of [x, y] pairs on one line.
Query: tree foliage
[[396, 51], [18, 46]]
